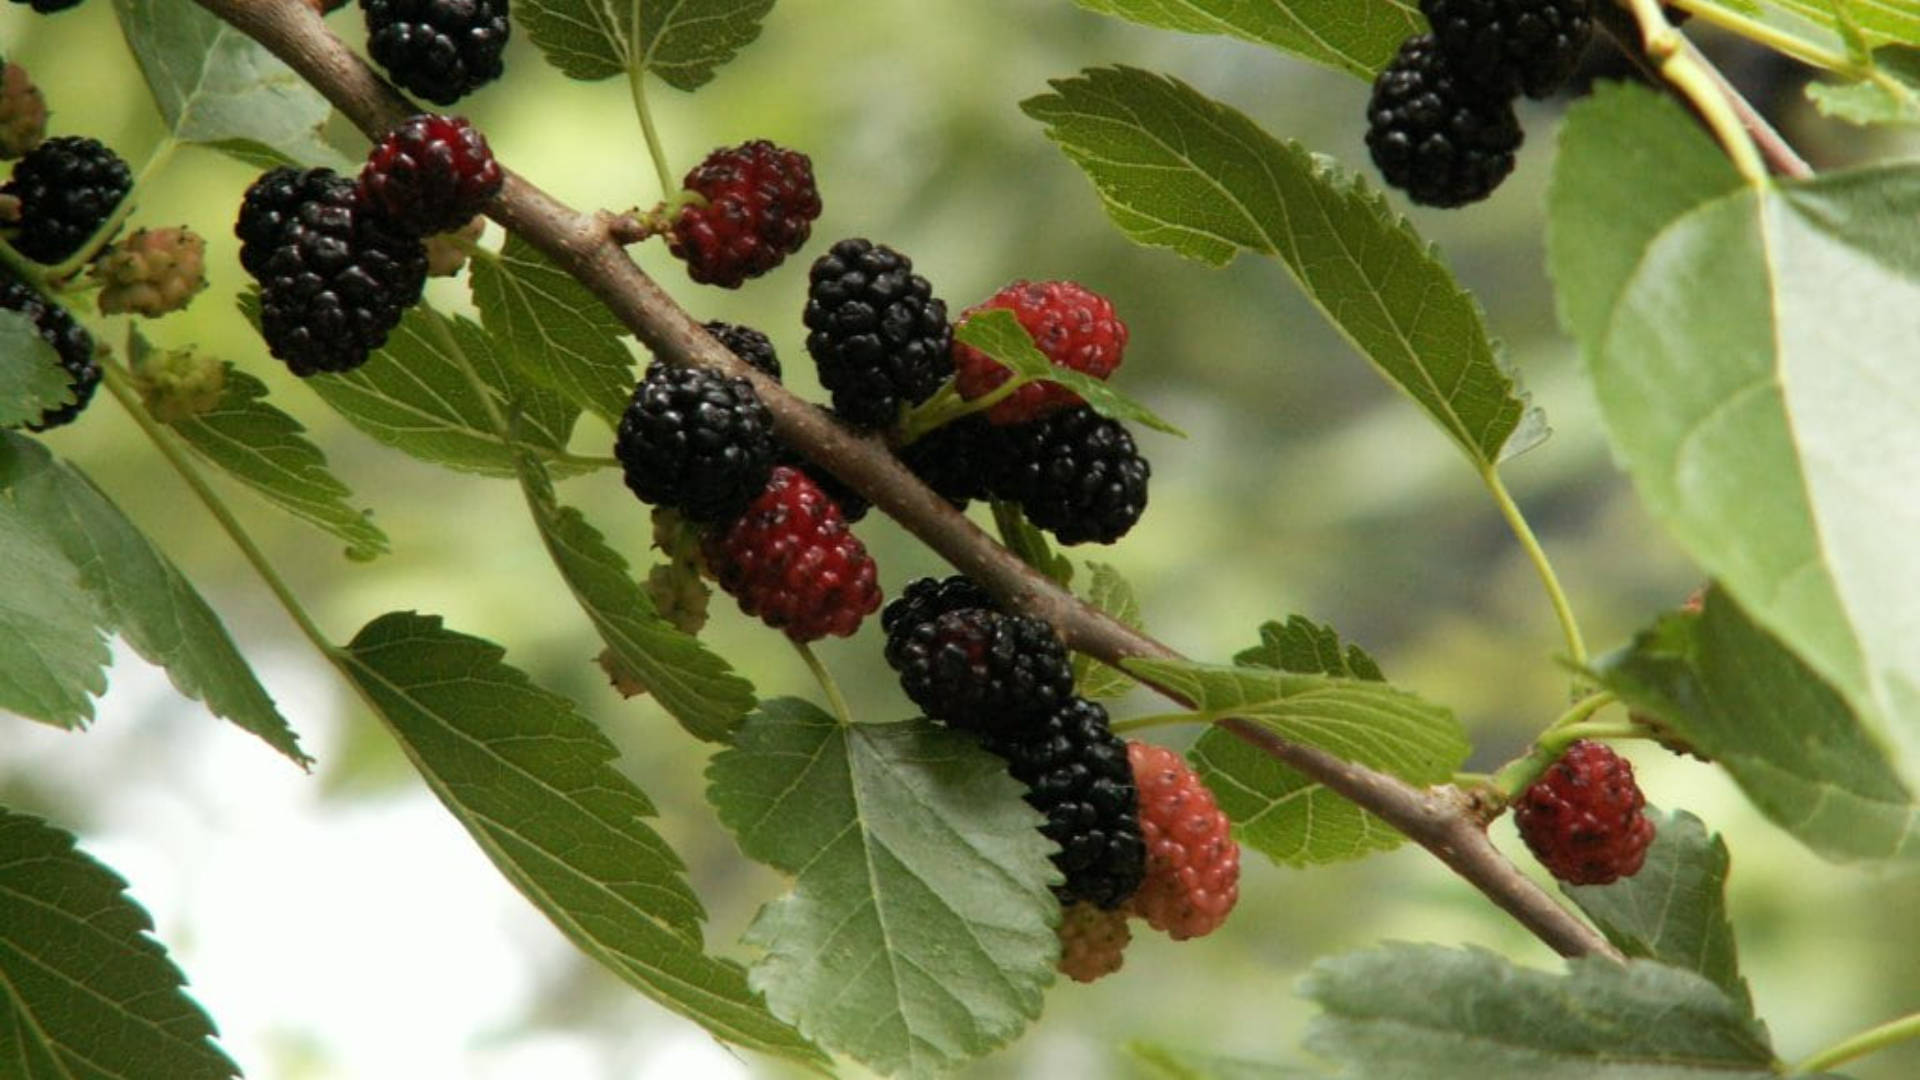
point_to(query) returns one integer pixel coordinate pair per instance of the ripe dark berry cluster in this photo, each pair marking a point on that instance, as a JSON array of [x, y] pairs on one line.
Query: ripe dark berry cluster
[[1071, 324], [757, 207], [1076, 474], [1193, 863], [335, 274], [431, 174], [697, 441], [71, 344], [1583, 820], [440, 50], [1440, 124], [67, 187], [877, 333], [791, 560], [1007, 679]]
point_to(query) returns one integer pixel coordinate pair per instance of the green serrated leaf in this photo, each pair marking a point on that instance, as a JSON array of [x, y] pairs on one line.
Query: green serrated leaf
[[85, 990], [1305, 647], [551, 328], [1356, 36], [683, 41], [999, 334], [32, 382], [532, 782], [139, 592], [1030, 544], [1816, 25], [1112, 594], [918, 934], [1359, 720], [1178, 170], [414, 396], [1406, 1011], [1736, 694], [1744, 344], [1275, 809], [692, 683], [266, 449], [216, 86], [1675, 909], [53, 656]]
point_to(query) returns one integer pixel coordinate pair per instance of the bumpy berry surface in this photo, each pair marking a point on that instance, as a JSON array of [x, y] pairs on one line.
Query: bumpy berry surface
[[1077, 776], [791, 560], [440, 50], [953, 459], [760, 206], [877, 332], [697, 441], [1583, 819], [23, 113], [335, 278], [1193, 863], [1508, 45], [70, 341], [1073, 325], [982, 670], [1093, 941], [431, 174], [152, 272], [67, 186], [748, 344], [1076, 474], [925, 600], [1440, 137]]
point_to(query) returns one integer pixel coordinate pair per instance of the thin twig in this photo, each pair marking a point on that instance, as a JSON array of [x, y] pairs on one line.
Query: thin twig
[[581, 244]]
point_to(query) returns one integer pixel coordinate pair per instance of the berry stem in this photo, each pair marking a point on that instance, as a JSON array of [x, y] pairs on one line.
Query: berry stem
[[118, 384], [828, 684], [1798, 48], [637, 85], [946, 406], [1682, 69], [1891, 1033], [1523, 531], [1519, 774]]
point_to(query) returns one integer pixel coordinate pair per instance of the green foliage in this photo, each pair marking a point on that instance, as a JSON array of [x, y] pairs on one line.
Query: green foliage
[[1358, 720], [1739, 696], [919, 930], [264, 448], [53, 657], [1439, 1014], [214, 85], [1112, 594], [84, 991], [1743, 343], [693, 684], [552, 329], [1276, 809], [1356, 36], [136, 591], [998, 333], [682, 42], [532, 782], [31, 378], [1030, 544], [1675, 909], [1180, 171]]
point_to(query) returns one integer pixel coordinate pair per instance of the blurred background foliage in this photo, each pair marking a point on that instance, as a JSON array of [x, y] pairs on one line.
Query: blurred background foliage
[[308, 909]]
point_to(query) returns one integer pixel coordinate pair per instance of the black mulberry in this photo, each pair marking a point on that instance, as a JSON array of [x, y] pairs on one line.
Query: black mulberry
[[697, 441], [67, 186], [880, 337], [1441, 138], [1075, 474], [70, 341], [440, 50]]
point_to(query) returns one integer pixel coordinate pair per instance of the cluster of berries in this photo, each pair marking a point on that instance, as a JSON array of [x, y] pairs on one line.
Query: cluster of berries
[[62, 192], [1441, 124], [702, 443], [440, 50], [340, 260], [1137, 834]]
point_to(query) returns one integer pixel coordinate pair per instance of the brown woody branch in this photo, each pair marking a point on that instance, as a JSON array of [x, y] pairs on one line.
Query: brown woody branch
[[1441, 820]]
